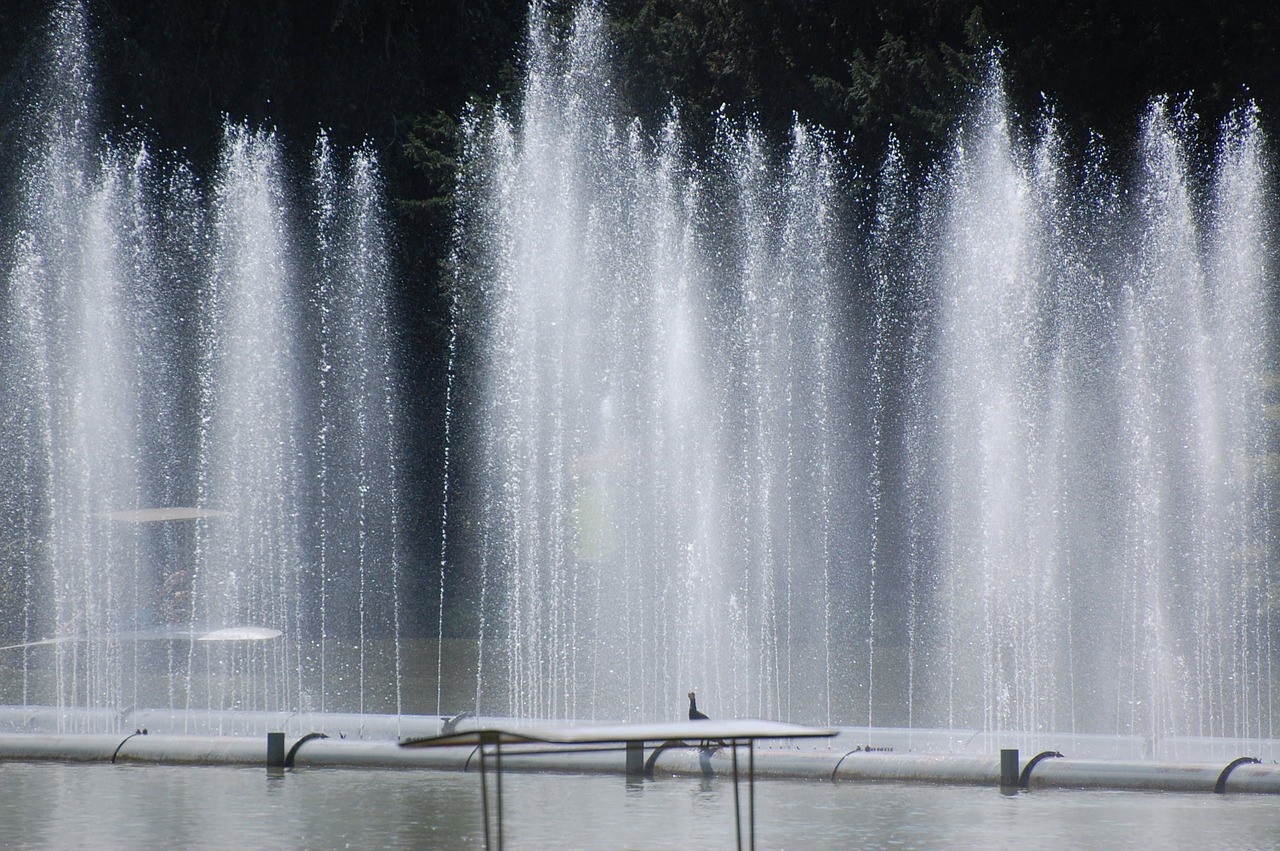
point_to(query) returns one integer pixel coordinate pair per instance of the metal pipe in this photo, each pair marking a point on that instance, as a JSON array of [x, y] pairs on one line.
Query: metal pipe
[[832, 765], [293, 751], [49, 719], [1221, 786], [920, 768], [212, 722], [1255, 778], [1024, 779], [1128, 775], [777, 763]]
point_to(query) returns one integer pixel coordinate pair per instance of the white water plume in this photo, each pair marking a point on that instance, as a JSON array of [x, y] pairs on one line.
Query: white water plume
[[1020, 486]]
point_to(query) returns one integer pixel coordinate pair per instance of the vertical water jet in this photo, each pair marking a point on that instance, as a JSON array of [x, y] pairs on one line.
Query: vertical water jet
[[1043, 510], [168, 368]]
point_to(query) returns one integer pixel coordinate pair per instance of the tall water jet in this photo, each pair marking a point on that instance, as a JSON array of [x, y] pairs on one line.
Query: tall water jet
[[998, 450], [356, 525], [899, 530], [659, 411], [200, 423], [787, 371], [1045, 509], [1240, 307], [1089, 375], [1195, 352], [69, 377], [249, 568]]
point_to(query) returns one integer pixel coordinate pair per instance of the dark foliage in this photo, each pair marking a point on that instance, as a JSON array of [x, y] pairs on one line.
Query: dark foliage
[[398, 73], [871, 68]]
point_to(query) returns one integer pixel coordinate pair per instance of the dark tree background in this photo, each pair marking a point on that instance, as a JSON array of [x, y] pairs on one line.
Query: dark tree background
[[398, 73]]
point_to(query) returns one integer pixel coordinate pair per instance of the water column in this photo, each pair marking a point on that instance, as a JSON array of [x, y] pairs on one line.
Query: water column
[[658, 358], [675, 564], [1066, 613], [69, 378], [1240, 309], [169, 345], [786, 354], [820, 419], [993, 404], [900, 463], [1098, 364], [1011, 450], [353, 596], [300, 440], [595, 430], [249, 567], [529, 519], [1195, 345]]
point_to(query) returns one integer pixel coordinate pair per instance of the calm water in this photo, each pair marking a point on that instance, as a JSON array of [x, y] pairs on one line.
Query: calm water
[[133, 806]]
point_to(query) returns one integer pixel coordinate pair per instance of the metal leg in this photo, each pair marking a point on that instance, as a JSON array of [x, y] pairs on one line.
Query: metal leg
[[484, 798], [497, 751], [751, 790], [737, 809]]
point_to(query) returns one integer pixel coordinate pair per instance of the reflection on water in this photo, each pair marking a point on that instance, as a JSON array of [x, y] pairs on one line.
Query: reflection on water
[[138, 807]]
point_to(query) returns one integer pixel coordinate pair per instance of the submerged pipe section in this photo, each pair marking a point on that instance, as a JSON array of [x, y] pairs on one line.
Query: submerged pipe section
[[355, 741], [1221, 786], [1244, 775], [211, 722], [109, 747]]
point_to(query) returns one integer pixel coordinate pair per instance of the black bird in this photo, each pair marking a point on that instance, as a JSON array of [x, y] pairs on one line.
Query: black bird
[[695, 715]]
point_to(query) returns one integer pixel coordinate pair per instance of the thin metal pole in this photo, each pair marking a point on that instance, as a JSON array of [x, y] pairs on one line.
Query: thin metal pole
[[497, 750], [737, 810], [484, 797], [751, 789]]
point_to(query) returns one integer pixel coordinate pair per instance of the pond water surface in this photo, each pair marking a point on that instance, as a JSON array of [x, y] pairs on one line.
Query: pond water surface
[[64, 806]]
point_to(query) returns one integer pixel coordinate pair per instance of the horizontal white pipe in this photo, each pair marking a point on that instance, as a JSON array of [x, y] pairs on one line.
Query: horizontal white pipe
[[1263, 778], [239, 738], [1157, 776], [215, 722]]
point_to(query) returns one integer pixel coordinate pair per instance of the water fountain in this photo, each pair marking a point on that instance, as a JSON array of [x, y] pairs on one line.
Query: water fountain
[[200, 423], [1018, 486], [982, 450], [1098, 436], [666, 417], [978, 449]]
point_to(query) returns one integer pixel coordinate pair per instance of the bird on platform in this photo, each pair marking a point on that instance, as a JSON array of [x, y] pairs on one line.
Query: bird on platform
[[694, 714]]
